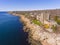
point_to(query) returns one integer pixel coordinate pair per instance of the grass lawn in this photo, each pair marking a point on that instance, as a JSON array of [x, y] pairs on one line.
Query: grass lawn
[[36, 22]]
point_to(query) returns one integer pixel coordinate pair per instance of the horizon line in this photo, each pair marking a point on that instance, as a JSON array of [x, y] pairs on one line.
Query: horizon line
[[32, 9]]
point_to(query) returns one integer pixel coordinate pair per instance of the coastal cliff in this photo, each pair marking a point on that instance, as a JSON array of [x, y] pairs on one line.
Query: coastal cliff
[[37, 34]]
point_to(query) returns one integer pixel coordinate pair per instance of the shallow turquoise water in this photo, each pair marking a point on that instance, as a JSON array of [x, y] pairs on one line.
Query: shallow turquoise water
[[11, 30]]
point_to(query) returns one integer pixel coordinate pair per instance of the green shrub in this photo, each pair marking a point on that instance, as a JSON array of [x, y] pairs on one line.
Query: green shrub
[[54, 28], [46, 26], [36, 22], [57, 20]]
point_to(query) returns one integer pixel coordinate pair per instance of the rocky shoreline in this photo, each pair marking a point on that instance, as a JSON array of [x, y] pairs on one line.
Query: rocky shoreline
[[37, 35]]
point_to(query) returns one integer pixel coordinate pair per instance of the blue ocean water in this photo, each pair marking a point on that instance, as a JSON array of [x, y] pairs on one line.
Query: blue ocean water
[[11, 30]]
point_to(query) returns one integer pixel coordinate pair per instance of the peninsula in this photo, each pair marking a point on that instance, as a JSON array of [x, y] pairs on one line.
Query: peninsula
[[43, 26]]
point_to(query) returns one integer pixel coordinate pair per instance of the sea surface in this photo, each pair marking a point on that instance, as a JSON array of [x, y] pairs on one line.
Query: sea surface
[[11, 30]]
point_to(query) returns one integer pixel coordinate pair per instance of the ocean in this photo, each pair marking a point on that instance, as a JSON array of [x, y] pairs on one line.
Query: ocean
[[11, 30]]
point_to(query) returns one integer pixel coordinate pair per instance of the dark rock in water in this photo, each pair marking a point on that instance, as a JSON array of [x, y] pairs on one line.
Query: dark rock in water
[[11, 30]]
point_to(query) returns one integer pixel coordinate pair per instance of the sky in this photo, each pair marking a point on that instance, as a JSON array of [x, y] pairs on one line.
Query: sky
[[22, 5]]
